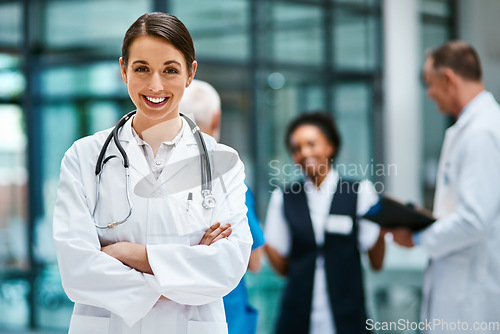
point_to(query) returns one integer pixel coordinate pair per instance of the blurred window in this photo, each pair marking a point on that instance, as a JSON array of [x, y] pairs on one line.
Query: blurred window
[[354, 115], [13, 217], [437, 28], [90, 24], [296, 34], [355, 39], [10, 24], [437, 7], [220, 29]]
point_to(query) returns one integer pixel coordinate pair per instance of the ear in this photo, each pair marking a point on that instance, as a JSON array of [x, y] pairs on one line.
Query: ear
[[215, 124], [193, 72], [450, 77], [123, 71], [331, 149]]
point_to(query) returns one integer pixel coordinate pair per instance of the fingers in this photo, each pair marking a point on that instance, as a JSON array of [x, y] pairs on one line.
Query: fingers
[[401, 236], [208, 233], [224, 234], [216, 232]]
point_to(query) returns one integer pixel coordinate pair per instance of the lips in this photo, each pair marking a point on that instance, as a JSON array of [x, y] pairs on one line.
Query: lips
[[155, 101], [309, 162]]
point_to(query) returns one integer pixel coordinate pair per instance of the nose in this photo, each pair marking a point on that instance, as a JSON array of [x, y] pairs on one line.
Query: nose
[[301, 153], [305, 151], [155, 84]]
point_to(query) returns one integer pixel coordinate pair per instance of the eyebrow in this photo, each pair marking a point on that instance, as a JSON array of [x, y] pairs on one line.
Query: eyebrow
[[165, 63]]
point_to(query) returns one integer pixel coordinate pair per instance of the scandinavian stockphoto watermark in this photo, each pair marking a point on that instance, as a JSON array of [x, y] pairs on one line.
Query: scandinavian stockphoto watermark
[[434, 325], [284, 175]]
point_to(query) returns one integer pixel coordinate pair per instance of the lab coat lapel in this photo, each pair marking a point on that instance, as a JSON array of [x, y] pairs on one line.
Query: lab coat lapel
[[470, 113], [443, 203], [442, 196], [138, 161], [135, 155]]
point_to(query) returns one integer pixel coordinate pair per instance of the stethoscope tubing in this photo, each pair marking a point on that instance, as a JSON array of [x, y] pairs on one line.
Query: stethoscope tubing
[[209, 200]]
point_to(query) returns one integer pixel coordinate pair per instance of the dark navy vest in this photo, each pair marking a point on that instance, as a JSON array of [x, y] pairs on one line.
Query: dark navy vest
[[342, 265]]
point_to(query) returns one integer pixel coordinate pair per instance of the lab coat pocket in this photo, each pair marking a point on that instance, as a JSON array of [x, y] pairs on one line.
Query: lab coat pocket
[[339, 224], [84, 324], [189, 216], [205, 327]]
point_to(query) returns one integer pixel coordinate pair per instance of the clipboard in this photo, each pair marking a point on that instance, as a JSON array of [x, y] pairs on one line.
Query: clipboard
[[390, 213]]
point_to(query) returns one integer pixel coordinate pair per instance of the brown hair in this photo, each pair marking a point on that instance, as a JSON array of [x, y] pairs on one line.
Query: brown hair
[[458, 56], [164, 26]]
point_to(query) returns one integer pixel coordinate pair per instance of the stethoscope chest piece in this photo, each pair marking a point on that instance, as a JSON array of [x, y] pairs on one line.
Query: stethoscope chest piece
[[209, 201]]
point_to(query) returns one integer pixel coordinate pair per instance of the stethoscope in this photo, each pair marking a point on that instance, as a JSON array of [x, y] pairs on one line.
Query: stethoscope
[[209, 201]]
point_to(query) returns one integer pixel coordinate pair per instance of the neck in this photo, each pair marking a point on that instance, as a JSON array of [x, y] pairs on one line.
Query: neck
[[317, 180], [320, 176], [156, 132], [467, 95]]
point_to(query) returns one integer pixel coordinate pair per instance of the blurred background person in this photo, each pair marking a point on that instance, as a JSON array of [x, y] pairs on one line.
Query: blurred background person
[[461, 280], [315, 237], [202, 102]]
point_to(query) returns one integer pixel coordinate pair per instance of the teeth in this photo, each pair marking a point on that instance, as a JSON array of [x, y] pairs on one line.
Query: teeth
[[156, 99]]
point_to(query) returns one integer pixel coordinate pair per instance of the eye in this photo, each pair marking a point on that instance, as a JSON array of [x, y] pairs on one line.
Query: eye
[[141, 69], [171, 71]]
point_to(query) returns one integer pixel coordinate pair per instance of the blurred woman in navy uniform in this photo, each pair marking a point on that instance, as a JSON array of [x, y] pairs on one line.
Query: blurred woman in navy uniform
[[315, 237]]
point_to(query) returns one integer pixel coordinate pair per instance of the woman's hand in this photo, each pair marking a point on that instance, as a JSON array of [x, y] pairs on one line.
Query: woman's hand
[[216, 232], [130, 254], [278, 262], [402, 236], [377, 253], [135, 255]]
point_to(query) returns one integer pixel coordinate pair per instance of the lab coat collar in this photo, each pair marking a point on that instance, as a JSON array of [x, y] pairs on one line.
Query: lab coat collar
[[473, 108]]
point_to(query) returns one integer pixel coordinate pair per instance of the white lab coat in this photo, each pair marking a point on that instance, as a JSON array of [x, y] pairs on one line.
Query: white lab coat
[[109, 296], [462, 281]]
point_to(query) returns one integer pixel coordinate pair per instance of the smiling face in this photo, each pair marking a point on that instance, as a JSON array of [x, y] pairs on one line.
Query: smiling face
[[156, 75], [311, 149]]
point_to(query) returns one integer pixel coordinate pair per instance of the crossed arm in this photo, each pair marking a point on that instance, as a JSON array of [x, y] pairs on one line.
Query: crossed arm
[[135, 255]]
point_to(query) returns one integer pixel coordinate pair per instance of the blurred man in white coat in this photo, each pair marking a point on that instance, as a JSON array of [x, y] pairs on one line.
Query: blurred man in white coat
[[202, 102], [462, 281]]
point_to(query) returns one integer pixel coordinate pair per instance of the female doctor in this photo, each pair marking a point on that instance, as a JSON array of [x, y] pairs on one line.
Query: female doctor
[[140, 255]]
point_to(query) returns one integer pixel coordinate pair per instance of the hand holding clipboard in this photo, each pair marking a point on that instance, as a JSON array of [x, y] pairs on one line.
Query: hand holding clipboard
[[390, 213]]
